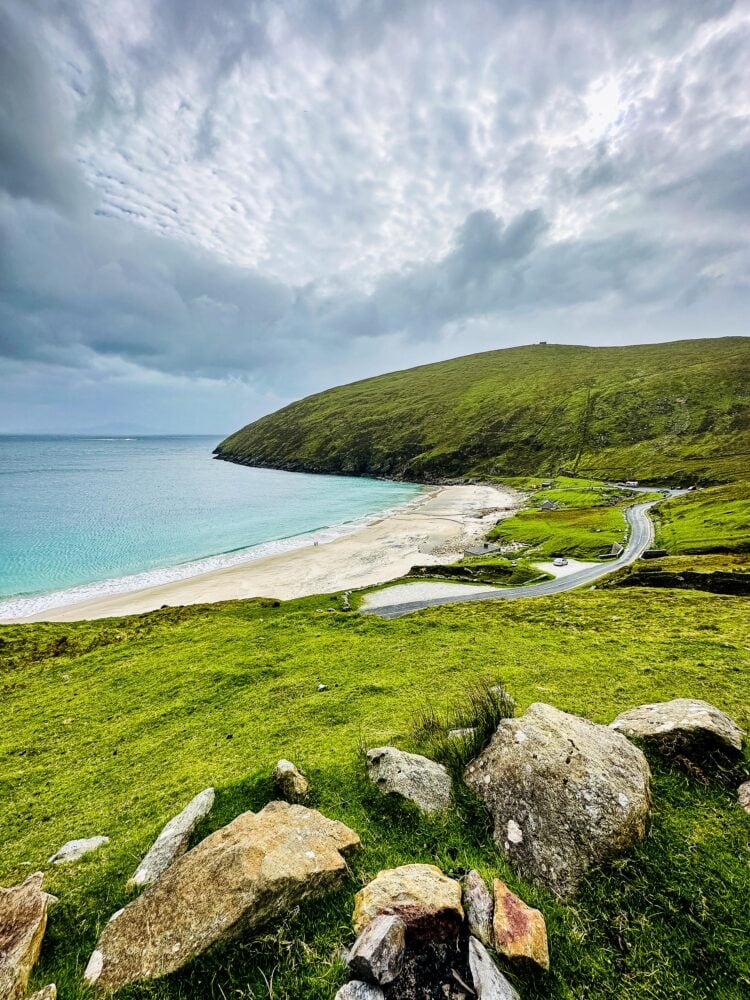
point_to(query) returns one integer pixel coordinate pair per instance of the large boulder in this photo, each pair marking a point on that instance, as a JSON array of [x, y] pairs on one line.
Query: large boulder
[[173, 839], [428, 902], [413, 777], [685, 727], [520, 931], [564, 794], [252, 871], [23, 919]]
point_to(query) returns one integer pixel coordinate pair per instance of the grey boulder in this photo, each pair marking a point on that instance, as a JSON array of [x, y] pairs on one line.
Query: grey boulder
[[378, 952], [479, 907], [684, 727], [743, 796], [564, 793], [356, 990], [420, 780], [489, 982], [173, 839], [291, 783], [75, 849]]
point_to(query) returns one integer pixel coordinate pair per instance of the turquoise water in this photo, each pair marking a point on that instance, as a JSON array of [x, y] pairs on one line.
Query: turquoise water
[[83, 513]]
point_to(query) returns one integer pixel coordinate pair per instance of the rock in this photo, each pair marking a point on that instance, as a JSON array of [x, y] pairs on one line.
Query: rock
[[173, 839], [479, 907], [322, 687], [743, 796], [684, 727], [461, 734], [253, 870], [416, 778], [48, 993], [564, 794], [75, 849], [489, 982], [378, 952], [290, 782], [520, 931], [23, 919], [427, 901], [359, 991]]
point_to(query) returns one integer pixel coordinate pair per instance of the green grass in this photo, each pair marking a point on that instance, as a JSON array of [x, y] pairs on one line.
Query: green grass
[[495, 569], [675, 412], [580, 532], [728, 562], [582, 497], [110, 727], [711, 520]]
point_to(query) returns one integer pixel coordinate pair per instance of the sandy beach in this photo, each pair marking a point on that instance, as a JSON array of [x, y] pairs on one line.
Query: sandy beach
[[434, 529]]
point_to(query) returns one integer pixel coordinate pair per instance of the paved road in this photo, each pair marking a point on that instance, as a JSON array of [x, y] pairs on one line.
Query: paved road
[[640, 538]]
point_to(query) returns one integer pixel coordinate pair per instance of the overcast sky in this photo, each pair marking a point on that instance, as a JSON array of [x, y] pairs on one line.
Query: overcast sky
[[208, 209]]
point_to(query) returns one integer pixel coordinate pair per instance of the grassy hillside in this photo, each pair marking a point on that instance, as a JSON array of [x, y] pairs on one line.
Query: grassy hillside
[[110, 727], [676, 412], [584, 532], [712, 520]]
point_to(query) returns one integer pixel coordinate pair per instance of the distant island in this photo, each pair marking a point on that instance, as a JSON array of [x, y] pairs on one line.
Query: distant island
[[675, 412]]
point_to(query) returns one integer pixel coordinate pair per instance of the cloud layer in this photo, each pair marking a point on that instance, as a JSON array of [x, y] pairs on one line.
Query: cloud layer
[[209, 209]]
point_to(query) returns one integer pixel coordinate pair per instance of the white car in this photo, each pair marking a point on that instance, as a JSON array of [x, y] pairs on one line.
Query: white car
[[560, 561]]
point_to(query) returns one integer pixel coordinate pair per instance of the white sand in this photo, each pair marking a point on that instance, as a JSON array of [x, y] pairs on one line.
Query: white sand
[[434, 530]]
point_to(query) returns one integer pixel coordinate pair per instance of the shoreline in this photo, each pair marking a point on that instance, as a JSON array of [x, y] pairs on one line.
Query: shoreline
[[432, 528]]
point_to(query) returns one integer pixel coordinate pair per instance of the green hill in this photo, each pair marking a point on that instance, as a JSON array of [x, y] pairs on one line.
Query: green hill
[[678, 411]]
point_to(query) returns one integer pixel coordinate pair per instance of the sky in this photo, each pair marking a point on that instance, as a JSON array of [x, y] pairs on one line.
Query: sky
[[208, 210]]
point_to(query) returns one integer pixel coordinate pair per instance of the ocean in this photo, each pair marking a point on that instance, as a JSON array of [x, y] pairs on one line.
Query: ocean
[[82, 517]]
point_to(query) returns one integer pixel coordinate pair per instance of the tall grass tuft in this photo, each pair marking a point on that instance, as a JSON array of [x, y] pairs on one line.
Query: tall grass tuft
[[467, 725]]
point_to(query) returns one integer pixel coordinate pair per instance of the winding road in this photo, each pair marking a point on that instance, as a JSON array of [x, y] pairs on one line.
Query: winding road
[[640, 537]]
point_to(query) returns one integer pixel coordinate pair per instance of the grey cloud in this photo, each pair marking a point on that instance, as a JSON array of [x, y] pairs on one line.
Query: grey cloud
[[277, 195], [35, 154], [721, 185]]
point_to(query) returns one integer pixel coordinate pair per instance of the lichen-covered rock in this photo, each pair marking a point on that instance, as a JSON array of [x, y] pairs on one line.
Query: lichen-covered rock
[[357, 990], [291, 783], [743, 796], [48, 993], [173, 839], [684, 727], [520, 931], [564, 794], [23, 919], [428, 902], [413, 777], [489, 982], [479, 907], [378, 953], [75, 849], [251, 871]]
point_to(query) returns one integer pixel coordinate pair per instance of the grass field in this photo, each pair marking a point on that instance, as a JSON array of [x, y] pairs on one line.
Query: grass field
[[711, 520], [675, 412], [110, 727], [583, 532]]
